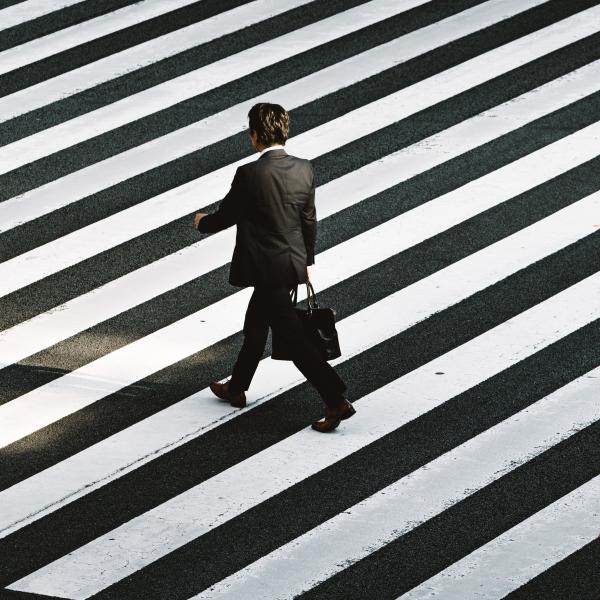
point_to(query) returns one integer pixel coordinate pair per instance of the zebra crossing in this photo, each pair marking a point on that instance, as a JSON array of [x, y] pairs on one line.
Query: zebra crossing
[[456, 147]]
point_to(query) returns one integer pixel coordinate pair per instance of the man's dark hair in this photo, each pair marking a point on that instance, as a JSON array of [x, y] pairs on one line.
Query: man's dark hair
[[271, 123]]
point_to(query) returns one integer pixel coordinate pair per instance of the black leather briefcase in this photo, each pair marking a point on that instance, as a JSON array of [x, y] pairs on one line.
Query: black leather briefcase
[[318, 324]]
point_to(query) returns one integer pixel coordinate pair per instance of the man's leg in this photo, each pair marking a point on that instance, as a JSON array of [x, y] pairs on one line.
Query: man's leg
[[308, 360], [256, 330]]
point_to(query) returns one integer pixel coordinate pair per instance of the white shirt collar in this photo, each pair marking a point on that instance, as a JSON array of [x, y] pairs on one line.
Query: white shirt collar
[[274, 147]]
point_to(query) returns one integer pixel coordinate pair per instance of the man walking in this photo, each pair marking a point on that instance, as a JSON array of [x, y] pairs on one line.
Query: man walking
[[272, 202]]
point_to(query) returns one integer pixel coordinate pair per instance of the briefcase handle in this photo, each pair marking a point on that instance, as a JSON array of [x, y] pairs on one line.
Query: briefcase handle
[[310, 295]]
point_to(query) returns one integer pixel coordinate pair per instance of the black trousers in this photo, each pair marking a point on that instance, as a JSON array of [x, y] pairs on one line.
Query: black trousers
[[272, 307]]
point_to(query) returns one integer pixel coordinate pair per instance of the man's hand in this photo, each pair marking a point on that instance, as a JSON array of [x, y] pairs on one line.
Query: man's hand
[[308, 269], [197, 219]]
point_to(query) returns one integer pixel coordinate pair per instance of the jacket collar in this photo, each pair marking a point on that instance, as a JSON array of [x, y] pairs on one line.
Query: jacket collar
[[275, 153]]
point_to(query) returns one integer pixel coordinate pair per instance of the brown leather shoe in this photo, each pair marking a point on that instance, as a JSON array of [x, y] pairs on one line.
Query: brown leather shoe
[[221, 390], [333, 416]]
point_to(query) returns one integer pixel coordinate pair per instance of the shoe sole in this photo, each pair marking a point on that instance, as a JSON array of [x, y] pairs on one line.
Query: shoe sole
[[351, 411], [325, 430], [218, 395]]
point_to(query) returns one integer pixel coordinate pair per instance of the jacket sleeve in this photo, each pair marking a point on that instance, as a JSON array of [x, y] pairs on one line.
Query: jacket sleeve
[[309, 222], [231, 208]]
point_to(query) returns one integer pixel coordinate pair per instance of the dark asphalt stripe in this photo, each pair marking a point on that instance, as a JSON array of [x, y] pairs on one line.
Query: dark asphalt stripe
[[460, 530], [577, 577], [99, 340], [7, 3], [88, 52], [218, 449], [170, 67], [57, 20], [171, 237], [208, 103], [12, 595]]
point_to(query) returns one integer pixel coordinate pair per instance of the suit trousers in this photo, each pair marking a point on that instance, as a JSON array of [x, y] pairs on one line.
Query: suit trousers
[[272, 307]]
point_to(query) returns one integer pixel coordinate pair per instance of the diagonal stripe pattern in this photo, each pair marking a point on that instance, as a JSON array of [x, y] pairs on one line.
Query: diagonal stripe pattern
[[457, 258]]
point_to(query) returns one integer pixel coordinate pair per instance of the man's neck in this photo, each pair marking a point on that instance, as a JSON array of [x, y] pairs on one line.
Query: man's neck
[[273, 147]]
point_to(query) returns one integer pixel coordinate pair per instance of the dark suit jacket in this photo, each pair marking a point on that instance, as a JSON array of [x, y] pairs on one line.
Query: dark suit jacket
[[272, 201]]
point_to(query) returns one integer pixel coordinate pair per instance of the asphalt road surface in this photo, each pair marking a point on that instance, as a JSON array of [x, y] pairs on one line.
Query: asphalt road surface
[[456, 148]]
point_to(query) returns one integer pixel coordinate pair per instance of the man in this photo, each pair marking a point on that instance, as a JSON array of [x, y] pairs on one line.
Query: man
[[272, 202]]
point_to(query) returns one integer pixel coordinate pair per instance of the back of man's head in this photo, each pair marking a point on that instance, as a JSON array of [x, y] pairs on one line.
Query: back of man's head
[[271, 123]]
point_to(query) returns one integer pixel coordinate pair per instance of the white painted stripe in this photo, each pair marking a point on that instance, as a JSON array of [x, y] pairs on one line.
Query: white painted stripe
[[120, 167], [83, 312], [82, 473], [402, 506], [193, 83], [61, 40], [29, 10], [178, 202], [426, 492], [524, 551]]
